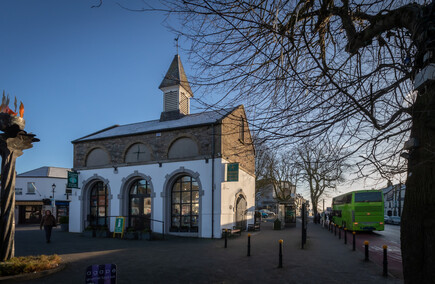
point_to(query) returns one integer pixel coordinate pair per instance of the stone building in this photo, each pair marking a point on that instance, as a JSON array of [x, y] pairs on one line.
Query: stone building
[[187, 174]]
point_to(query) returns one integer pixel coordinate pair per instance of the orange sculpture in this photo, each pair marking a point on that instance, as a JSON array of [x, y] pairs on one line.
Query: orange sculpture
[[4, 107]]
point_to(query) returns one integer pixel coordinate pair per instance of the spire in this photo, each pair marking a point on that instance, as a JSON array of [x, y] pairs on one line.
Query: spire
[[176, 76]]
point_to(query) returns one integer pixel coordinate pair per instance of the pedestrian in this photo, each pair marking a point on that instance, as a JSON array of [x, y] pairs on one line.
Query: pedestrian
[[48, 221]]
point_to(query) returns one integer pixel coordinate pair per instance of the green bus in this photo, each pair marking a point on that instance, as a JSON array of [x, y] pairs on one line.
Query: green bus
[[361, 210]]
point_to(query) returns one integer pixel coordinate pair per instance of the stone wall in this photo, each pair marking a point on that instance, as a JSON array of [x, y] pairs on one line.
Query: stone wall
[[233, 148], [227, 144], [157, 142]]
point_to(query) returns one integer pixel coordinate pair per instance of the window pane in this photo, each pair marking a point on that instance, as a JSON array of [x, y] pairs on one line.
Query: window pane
[[102, 200], [176, 209], [93, 200], [176, 186], [185, 186], [142, 187], [185, 221], [133, 189], [186, 178], [195, 209], [101, 190], [147, 206], [31, 187], [195, 196], [175, 221], [102, 211], [194, 221], [185, 210], [368, 197], [134, 210], [176, 197], [186, 197], [195, 186]]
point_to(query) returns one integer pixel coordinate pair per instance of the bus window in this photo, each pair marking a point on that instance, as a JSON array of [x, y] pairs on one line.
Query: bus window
[[368, 197]]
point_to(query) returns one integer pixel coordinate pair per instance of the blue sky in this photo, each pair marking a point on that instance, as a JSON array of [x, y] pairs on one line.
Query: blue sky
[[78, 70]]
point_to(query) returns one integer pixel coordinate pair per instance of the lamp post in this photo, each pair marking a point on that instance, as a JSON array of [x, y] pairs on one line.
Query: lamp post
[[53, 202]]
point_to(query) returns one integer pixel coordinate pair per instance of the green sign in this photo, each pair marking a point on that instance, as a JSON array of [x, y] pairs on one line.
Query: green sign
[[73, 180], [119, 225], [233, 172]]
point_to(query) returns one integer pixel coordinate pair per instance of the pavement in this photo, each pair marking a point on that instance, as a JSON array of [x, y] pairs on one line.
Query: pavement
[[324, 259]]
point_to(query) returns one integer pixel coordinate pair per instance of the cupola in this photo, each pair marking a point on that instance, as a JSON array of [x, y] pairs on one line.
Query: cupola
[[176, 92]]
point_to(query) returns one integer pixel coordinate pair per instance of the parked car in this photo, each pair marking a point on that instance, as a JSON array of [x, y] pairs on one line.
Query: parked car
[[386, 219], [266, 213], [395, 220]]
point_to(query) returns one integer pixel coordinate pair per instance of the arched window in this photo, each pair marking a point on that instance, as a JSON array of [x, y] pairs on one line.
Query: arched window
[[185, 205], [140, 205], [183, 148], [137, 153], [97, 157], [98, 205]]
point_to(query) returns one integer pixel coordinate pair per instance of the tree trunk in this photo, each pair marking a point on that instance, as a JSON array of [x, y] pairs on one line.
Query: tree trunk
[[418, 219]]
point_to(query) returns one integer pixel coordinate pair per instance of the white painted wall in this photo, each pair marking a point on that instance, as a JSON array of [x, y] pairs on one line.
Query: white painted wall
[[43, 188], [224, 195], [230, 191]]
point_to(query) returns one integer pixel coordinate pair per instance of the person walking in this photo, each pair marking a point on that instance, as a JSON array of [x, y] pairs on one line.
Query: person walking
[[48, 221]]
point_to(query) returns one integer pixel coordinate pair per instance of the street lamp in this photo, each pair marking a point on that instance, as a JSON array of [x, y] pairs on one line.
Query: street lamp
[[53, 204]]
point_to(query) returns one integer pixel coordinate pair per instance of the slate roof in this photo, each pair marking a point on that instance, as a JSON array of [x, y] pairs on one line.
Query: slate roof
[[176, 76], [186, 121], [46, 172]]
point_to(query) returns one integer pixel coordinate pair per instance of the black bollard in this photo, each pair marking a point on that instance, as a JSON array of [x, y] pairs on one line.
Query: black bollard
[[339, 232], [385, 263], [353, 241], [280, 254], [226, 231], [366, 244], [249, 244], [335, 229], [345, 236]]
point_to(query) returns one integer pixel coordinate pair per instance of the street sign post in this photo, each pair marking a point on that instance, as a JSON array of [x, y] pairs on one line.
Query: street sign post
[[119, 226]]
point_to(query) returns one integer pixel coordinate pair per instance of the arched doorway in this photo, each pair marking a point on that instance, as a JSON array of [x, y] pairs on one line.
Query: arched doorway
[[98, 205], [241, 206], [139, 212]]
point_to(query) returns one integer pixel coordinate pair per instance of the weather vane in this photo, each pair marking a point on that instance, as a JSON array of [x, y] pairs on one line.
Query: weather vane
[[176, 42]]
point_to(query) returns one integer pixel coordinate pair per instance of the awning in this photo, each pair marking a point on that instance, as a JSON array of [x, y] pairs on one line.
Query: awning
[[30, 202]]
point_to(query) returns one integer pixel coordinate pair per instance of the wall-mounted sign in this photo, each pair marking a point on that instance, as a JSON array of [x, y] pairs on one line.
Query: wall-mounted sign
[[73, 180], [233, 172]]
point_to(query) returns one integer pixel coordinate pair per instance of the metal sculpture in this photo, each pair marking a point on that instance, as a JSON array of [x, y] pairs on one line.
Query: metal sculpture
[[13, 141]]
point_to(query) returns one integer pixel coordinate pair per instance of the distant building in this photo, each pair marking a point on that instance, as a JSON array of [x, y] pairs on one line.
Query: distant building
[[394, 198], [183, 174], [266, 196], [34, 194]]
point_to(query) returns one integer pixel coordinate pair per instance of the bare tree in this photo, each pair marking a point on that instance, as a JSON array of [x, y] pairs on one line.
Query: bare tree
[[343, 69], [322, 167], [277, 170]]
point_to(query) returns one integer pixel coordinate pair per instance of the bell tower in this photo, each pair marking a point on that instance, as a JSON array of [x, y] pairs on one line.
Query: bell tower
[[176, 92]]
